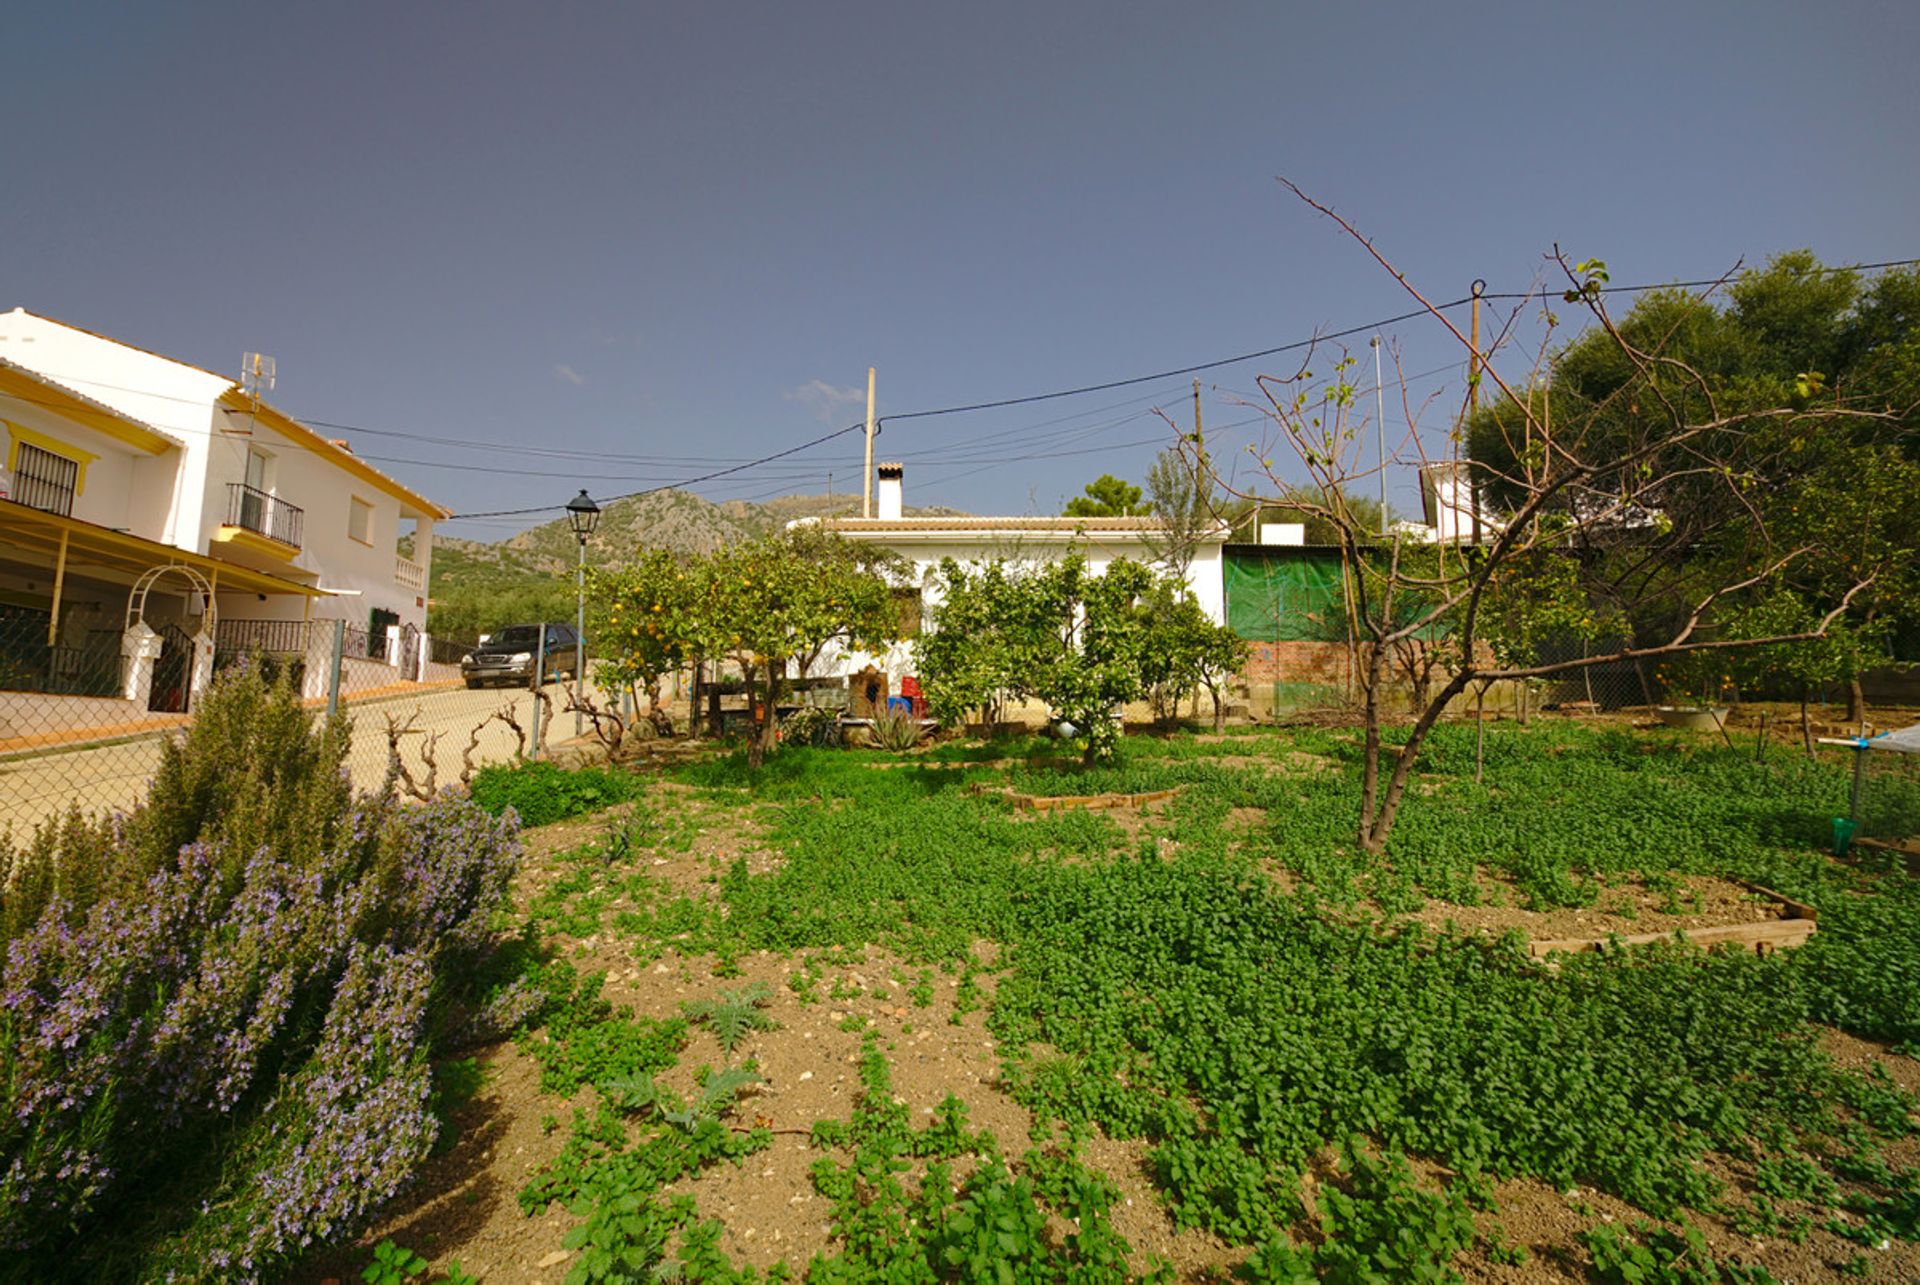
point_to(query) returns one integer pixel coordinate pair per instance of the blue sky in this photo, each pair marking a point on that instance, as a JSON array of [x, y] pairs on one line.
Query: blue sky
[[682, 233]]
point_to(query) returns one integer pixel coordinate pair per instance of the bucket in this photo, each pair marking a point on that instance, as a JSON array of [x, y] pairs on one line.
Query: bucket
[[1843, 828]]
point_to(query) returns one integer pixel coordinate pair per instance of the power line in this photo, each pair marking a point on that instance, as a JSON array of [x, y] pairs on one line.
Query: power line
[[692, 481], [967, 408]]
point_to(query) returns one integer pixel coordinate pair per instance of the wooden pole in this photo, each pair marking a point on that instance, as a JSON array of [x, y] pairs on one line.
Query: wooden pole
[[866, 478], [59, 583]]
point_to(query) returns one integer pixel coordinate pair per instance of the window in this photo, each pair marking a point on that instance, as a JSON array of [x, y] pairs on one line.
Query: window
[[360, 520], [43, 480]]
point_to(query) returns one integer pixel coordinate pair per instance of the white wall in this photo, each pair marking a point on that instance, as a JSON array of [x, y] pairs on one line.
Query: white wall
[[324, 492], [976, 549], [114, 489], [176, 399]]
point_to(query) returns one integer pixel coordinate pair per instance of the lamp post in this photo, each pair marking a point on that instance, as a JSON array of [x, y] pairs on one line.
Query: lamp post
[[582, 515]]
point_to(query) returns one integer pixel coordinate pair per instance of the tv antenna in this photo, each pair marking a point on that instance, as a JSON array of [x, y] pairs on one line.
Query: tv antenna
[[257, 371]]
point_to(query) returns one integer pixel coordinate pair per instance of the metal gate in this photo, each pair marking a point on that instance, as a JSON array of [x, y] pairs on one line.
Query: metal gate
[[172, 672]]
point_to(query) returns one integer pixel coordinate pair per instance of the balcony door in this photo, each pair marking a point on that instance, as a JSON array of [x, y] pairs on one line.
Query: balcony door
[[253, 501]]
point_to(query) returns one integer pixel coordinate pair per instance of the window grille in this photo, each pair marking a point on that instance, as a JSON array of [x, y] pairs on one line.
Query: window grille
[[45, 481]]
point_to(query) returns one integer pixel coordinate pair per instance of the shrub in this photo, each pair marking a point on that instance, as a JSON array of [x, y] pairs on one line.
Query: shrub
[[219, 1053], [254, 770], [541, 793]]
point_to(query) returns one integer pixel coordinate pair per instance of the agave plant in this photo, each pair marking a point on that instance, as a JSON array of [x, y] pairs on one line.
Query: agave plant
[[896, 731]]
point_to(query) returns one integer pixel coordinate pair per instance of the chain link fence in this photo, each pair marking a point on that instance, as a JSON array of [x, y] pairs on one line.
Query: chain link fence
[[82, 721]]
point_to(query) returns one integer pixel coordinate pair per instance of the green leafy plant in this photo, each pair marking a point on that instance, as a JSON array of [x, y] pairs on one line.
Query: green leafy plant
[[392, 1265], [542, 793], [733, 1015]]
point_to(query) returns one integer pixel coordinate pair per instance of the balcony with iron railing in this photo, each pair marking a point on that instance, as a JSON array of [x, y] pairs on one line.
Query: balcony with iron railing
[[252, 509]]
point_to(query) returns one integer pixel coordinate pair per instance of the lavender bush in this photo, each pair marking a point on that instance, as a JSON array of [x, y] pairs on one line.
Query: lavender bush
[[220, 1053]]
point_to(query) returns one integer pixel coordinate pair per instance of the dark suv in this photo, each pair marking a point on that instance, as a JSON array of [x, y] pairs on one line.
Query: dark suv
[[507, 657]]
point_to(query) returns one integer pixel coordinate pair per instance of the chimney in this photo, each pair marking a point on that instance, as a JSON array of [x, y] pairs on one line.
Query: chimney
[[889, 498]]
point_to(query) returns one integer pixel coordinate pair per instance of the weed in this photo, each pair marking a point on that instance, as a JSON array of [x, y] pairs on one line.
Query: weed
[[392, 1265], [542, 793], [733, 1015]]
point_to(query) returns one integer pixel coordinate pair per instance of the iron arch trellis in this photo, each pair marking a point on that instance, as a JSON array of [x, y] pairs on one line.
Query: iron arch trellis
[[137, 600]]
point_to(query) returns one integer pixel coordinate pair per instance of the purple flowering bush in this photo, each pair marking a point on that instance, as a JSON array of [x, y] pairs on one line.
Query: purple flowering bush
[[219, 1052]]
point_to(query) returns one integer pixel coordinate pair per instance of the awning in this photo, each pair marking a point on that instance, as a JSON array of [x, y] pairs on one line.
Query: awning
[[32, 531]]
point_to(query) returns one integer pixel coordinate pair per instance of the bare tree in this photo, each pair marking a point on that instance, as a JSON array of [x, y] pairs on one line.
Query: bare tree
[[1181, 492], [1654, 511]]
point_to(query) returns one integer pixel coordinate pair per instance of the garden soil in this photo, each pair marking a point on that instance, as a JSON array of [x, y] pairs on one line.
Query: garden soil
[[463, 1207]]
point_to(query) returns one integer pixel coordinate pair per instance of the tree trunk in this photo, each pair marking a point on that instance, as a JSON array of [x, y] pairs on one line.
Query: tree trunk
[[1646, 688], [769, 725], [1479, 733], [1806, 724], [1375, 839], [694, 719], [1370, 770], [1856, 702], [1219, 710], [656, 714]]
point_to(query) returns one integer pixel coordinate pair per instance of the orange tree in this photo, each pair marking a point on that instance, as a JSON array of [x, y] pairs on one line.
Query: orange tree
[[1054, 633], [782, 600], [643, 618]]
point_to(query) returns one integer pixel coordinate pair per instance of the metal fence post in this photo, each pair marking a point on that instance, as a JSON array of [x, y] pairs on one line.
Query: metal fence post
[[539, 678], [333, 679]]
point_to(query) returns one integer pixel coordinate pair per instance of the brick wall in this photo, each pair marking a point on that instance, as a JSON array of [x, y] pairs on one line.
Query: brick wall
[[1326, 663]]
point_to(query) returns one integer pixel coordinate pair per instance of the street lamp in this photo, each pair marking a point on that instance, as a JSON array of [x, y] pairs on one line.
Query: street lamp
[[583, 515]]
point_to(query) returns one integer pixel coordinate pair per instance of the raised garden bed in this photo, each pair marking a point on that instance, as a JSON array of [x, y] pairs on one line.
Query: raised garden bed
[[1092, 802], [1791, 927]]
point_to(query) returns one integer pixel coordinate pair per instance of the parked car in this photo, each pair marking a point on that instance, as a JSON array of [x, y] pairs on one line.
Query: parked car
[[508, 656]]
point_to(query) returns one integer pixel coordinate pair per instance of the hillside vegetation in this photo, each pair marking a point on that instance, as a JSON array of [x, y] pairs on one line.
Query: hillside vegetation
[[478, 587]]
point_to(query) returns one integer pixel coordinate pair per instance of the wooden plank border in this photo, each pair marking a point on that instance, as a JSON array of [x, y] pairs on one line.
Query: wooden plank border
[[1797, 922], [1091, 802]]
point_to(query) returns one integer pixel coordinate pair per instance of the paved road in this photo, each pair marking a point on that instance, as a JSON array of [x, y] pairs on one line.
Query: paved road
[[115, 775]]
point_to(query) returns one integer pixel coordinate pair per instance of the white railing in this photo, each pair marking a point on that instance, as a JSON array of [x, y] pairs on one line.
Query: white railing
[[409, 573]]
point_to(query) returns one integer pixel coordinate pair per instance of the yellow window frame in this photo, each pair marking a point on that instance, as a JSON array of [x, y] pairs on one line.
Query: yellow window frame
[[53, 446]]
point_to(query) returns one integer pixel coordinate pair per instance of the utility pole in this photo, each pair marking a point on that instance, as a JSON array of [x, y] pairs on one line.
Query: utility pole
[[866, 480], [1380, 429]]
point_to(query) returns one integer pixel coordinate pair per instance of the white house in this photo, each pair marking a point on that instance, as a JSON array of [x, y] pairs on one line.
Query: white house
[[151, 506], [926, 542], [1449, 506]]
